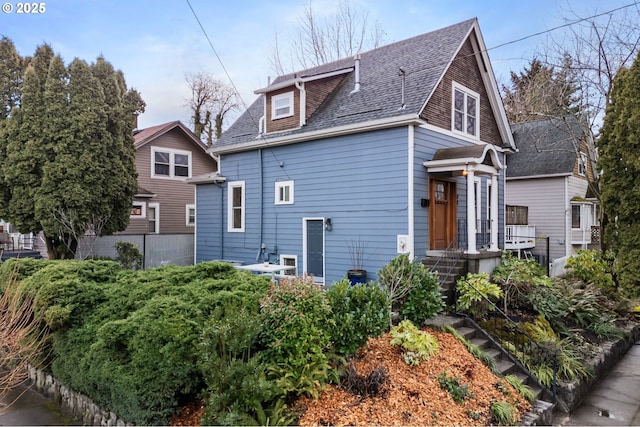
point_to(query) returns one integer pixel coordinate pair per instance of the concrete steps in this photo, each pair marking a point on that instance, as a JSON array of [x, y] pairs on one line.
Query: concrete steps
[[447, 281], [475, 335]]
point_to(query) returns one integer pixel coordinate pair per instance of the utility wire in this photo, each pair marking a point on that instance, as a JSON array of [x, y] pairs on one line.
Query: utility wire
[[568, 24], [264, 139]]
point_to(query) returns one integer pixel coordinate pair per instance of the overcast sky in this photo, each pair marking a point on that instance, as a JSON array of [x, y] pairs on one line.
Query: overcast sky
[[155, 42]]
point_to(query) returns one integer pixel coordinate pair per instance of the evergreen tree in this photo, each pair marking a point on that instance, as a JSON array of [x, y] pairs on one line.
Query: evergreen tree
[[541, 92], [619, 150], [11, 69], [69, 167]]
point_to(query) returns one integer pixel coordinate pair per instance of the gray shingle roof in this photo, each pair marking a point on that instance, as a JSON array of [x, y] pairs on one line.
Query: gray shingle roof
[[424, 58], [545, 147]]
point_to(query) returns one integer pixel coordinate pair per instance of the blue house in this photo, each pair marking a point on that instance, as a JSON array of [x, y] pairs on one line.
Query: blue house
[[400, 149]]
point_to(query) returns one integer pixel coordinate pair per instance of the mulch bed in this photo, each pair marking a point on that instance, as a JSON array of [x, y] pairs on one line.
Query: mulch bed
[[411, 395]]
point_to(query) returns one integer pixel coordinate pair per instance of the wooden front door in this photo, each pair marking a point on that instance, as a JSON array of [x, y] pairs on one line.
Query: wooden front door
[[442, 213]]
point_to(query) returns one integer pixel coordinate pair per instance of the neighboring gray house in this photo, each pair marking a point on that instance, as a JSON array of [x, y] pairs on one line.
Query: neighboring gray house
[[398, 150], [548, 189]]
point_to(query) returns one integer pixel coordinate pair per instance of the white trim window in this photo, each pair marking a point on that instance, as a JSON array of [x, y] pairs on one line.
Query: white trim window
[[282, 105], [284, 193], [582, 164], [465, 115], [170, 163], [236, 207], [290, 260], [138, 210], [190, 215], [153, 212]]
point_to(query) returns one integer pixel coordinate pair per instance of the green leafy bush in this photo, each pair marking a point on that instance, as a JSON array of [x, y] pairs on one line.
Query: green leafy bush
[[239, 392], [425, 298], [359, 312], [296, 320], [129, 339], [418, 345], [474, 293], [129, 255], [459, 392], [592, 266], [504, 413], [401, 277], [518, 278]]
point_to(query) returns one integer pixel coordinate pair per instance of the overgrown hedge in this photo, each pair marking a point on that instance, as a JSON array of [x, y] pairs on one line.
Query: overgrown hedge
[[129, 339]]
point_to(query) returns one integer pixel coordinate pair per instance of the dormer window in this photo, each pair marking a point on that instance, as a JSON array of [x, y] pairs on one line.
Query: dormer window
[[465, 113], [282, 105], [582, 164]]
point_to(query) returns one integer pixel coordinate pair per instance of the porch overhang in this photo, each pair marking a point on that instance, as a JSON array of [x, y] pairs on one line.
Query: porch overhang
[[481, 159], [470, 161]]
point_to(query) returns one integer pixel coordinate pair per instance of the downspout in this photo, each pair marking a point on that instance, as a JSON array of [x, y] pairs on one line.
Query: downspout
[[261, 247], [410, 189], [567, 219], [221, 220], [303, 102]]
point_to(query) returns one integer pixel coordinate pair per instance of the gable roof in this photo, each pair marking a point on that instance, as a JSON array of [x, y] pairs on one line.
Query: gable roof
[[545, 147], [379, 100], [144, 136]]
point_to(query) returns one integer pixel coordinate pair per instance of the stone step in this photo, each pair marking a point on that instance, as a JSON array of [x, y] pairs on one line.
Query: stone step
[[506, 366], [481, 342], [467, 332]]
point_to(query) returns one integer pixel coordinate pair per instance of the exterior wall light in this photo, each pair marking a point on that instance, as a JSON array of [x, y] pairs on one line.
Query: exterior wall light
[[327, 224]]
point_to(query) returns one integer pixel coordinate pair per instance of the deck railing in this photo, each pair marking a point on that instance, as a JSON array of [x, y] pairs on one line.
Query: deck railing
[[519, 237]]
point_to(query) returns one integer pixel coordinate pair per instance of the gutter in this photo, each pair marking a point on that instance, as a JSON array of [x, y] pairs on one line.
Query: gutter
[[405, 120], [551, 175]]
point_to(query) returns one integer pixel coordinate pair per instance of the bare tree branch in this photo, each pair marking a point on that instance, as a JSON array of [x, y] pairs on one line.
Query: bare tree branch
[[318, 41], [210, 101]]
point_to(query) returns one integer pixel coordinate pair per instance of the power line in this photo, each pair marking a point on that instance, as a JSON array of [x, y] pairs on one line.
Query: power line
[[195, 15]]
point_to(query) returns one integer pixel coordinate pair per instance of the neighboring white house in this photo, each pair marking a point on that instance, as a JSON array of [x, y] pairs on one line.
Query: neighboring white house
[[548, 178]]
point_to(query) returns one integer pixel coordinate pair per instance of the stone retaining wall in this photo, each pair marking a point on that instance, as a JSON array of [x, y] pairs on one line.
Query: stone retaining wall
[[73, 403], [570, 395]]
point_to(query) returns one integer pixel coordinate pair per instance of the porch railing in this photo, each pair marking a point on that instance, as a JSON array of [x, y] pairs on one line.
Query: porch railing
[[519, 237]]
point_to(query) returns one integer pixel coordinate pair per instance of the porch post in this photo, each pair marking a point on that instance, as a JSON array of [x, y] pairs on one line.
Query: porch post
[[471, 214], [494, 213]]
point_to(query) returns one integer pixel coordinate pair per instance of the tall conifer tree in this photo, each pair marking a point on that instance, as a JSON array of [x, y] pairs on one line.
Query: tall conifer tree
[[619, 150], [69, 166]]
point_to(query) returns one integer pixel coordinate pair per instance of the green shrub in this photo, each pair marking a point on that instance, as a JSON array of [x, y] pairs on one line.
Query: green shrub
[[418, 345], [129, 255], [504, 413], [474, 293], [518, 278], [459, 392], [425, 299], [296, 320], [359, 312], [400, 278], [592, 266], [129, 339], [238, 390]]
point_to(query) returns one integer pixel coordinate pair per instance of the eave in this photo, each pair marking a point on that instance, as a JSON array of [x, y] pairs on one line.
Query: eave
[[266, 141]]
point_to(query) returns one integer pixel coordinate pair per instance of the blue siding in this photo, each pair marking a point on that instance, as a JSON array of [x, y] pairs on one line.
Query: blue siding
[[359, 181], [363, 190]]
